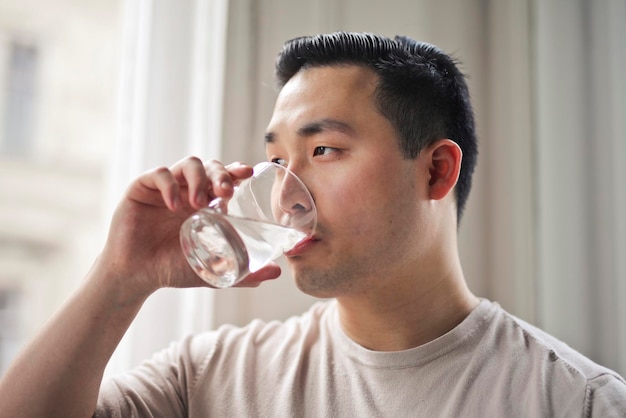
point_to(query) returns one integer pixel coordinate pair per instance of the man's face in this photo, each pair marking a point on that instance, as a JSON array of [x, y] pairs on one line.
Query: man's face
[[326, 129]]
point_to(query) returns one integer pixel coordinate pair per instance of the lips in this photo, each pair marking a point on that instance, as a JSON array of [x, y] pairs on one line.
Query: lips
[[301, 247]]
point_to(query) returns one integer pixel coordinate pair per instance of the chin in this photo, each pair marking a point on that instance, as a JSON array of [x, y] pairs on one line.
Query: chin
[[320, 284]]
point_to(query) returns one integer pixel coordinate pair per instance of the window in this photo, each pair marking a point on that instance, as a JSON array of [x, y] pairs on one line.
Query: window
[[59, 66], [10, 299], [20, 99]]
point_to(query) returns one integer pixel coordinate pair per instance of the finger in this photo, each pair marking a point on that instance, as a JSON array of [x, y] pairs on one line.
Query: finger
[[162, 181], [190, 172], [239, 171], [268, 272], [224, 178]]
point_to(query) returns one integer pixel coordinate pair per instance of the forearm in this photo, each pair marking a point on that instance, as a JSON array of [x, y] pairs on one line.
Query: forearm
[[59, 372]]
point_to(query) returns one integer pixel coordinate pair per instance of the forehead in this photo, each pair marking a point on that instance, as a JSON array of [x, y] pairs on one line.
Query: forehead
[[338, 92]]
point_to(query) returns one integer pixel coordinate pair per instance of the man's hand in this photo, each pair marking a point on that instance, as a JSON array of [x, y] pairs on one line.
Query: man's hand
[[59, 372], [143, 249]]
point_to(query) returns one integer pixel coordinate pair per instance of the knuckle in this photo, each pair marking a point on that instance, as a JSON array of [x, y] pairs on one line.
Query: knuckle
[[162, 170], [213, 164], [192, 159], [217, 171], [185, 163]]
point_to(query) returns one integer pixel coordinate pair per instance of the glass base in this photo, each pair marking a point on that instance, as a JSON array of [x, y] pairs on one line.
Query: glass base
[[214, 249]]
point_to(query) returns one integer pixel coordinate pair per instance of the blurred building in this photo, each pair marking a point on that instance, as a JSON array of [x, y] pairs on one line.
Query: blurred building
[[58, 81]]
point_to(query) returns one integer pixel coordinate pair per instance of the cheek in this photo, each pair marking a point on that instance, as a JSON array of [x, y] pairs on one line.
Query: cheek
[[360, 208], [366, 196]]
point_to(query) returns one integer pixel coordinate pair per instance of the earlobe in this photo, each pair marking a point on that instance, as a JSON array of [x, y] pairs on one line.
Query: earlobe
[[445, 166]]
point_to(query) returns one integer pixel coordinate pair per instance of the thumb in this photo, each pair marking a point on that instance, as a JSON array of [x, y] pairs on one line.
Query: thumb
[[268, 272]]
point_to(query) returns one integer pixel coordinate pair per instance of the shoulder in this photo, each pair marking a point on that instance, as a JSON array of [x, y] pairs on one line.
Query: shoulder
[[544, 346], [168, 381], [554, 367], [258, 335]]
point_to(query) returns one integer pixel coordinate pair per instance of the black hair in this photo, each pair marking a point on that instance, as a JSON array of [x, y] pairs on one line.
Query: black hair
[[421, 90]]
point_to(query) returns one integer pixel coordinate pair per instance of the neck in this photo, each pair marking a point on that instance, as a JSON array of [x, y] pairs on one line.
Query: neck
[[407, 312]]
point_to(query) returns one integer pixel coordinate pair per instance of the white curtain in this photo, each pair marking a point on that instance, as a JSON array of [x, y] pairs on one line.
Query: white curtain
[[169, 107]]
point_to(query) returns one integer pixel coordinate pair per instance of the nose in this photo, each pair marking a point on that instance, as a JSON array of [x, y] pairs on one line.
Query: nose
[[293, 196], [295, 204]]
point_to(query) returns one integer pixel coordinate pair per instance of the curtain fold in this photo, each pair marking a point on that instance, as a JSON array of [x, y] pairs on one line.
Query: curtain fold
[[580, 140]]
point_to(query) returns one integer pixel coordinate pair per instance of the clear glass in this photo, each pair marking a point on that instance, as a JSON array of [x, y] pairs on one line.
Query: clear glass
[[268, 215]]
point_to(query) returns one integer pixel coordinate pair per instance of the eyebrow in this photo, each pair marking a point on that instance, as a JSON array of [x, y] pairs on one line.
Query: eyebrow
[[315, 127]]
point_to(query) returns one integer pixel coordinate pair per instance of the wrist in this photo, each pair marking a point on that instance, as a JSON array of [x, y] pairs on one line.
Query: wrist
[[123, 290]]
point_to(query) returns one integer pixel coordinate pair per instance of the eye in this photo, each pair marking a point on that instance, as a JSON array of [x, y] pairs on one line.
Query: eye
[[323, 150], [279, 161]]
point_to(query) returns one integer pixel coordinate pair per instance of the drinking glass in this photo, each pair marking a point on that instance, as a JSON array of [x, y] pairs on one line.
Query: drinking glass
[[268, 215]]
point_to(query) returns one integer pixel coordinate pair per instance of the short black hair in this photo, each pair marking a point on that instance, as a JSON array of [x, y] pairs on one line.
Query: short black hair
[[421, 90]]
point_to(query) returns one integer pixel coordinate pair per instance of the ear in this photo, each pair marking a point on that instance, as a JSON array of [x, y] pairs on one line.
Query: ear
[[445, 158]]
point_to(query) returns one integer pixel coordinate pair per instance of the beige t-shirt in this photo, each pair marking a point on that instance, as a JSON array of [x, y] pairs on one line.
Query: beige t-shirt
[[490, 365]]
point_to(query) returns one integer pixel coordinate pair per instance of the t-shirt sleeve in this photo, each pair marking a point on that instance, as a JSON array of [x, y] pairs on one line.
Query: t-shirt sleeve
[[160, 386], [606, 397]]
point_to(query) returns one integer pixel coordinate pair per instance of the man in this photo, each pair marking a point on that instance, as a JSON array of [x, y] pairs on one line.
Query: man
[[382, 133]]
